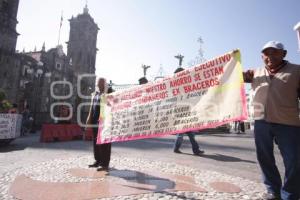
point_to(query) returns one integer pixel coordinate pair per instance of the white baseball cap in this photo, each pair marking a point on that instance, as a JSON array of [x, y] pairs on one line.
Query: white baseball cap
[[273, 44]]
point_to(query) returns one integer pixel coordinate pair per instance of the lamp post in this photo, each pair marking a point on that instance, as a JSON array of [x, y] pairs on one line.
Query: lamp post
[[297, 29], [37, 98]]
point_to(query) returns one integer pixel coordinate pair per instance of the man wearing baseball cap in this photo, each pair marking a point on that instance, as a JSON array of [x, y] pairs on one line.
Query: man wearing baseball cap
[[276, 112]]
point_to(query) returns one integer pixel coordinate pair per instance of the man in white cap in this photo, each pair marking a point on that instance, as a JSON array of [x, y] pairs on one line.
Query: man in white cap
[[276, 111]]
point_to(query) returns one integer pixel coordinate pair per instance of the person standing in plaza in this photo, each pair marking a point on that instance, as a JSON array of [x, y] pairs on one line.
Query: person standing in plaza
[[276, 111], [191, 135], [27, 121], [241, 127], [14, 109], [102, 152]]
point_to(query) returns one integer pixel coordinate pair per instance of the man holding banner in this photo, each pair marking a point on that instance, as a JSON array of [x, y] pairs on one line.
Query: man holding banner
[[101, 151], [276, 112]]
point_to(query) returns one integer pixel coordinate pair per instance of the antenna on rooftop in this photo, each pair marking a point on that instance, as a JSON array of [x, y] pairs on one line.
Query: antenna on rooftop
[[60, 25]]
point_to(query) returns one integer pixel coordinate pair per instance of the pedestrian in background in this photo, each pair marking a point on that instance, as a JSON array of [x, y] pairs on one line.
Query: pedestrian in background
[[191, 135], [241, 127], [27, 121]]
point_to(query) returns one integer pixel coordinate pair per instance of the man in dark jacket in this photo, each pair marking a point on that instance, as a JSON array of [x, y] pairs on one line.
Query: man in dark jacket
[[102, 152]]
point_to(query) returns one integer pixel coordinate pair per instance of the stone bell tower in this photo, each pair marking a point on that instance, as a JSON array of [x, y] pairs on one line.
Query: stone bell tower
[[8, 23], [82, 43], [82, 51]]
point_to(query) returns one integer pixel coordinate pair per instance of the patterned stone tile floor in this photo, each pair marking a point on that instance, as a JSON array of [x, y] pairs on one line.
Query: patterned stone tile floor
[[128, 178]]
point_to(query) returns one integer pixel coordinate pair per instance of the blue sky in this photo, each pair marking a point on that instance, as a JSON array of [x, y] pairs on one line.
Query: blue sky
[[152, 32]]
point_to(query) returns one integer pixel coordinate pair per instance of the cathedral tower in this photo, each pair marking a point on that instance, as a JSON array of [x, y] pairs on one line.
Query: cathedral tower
[[82, 48], [8, 23], [9, 69], [82, 52]]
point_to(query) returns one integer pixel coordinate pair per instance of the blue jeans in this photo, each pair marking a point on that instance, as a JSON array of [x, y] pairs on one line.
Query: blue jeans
[[179, 140], [288, 141]]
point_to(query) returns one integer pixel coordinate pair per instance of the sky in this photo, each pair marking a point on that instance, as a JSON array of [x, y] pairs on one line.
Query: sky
[[152, 32]]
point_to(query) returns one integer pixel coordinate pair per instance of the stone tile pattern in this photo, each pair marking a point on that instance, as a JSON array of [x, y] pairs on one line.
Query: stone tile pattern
[[190, 183]]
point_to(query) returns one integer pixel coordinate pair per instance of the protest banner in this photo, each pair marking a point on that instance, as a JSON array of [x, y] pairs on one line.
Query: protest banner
[[10, 125], [205, 96]]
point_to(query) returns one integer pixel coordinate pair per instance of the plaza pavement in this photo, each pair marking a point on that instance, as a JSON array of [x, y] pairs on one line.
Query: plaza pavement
[[144, 169]]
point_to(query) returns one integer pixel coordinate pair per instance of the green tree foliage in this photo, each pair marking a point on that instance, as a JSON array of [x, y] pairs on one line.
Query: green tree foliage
[[2, 95], [5, 105]]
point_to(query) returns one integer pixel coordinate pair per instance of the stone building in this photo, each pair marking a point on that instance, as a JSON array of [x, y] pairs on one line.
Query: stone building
[[8, 23], [27, 77], [40, 69], [82, 52], [9, 62]]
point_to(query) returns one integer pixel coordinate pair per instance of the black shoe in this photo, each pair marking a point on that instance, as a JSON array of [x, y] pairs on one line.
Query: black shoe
[[177, 151], [271, 196], [199, 152], [102, 169], [95, 164]]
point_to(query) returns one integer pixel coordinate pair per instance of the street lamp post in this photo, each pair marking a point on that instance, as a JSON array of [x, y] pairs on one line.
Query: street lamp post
[[36, 98], [297, 29]]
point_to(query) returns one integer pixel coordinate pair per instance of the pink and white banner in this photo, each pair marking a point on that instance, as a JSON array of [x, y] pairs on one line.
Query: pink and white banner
[[205, 96]]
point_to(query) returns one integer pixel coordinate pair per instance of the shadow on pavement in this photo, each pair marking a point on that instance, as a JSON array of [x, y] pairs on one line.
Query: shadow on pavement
[[11, 147], [159, 183], [225, 158], [220, 157], [228, 135]]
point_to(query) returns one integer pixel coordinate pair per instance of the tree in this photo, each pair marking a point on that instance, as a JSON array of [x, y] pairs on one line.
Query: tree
[[2, 95], [5, 105]]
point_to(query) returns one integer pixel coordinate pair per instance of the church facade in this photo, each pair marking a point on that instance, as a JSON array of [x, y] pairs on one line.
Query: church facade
[[44, 79]]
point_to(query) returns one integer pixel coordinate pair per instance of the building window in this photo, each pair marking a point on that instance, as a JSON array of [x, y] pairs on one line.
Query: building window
[[25, 68], [58, 66]]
